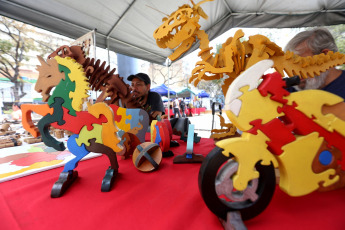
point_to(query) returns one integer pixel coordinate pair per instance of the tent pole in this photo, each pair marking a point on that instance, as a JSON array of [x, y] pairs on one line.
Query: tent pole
[[167, 64]]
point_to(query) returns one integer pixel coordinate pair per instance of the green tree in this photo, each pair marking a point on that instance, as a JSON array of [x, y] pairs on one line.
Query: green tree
[[17, 40], [338, 32]]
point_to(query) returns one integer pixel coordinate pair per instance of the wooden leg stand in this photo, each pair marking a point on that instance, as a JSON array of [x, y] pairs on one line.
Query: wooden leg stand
[[189, 156], [108, 179], [63, 183], [233, 222]]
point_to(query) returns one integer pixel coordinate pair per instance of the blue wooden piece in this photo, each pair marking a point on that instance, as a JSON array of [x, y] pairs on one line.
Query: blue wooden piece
[[78, 151]]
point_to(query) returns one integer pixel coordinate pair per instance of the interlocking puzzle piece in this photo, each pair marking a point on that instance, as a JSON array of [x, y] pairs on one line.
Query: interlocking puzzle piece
[[265, 109], [296, 175], [45, 122], [311, 102], [164, 134], [85, 135], [82, 118], [278, 133], [240, 147], [274, 84], [100, 148], [62, 90], [79, 151], [109, 129], [76, 75], [303, 125], [27, 109], [49, 77]]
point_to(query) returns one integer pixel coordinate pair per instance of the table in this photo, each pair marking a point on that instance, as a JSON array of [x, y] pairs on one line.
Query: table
[[189, 111], [164, 199]]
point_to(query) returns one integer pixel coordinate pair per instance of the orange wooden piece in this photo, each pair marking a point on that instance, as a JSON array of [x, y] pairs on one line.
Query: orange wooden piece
[[27, 109]]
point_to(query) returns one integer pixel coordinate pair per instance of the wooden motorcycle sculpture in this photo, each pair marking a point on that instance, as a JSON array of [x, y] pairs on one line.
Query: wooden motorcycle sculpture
[[301, 134], [100, 128]]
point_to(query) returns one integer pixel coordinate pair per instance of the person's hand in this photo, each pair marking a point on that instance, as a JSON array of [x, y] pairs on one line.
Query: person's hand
[[154, 114]]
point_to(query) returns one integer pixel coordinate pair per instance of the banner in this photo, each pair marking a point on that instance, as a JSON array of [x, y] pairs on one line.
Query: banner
[[88, 43]]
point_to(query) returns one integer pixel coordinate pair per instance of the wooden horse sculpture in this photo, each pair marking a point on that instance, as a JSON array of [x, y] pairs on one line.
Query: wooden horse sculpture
[[97, 129]]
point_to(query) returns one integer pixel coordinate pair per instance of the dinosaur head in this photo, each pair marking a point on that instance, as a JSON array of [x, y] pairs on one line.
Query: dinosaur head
[[49, 77], [178, 30]]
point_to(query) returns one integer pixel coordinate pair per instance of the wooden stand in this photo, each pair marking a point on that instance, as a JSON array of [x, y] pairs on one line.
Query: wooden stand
[[233, 222], [189, 156]]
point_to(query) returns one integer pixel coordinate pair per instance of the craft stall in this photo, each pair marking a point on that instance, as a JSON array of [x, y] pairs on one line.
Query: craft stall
[[278, 164]]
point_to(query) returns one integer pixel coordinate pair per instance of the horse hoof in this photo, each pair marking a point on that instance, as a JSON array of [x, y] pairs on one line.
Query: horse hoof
[[62, 184], [108, 179]]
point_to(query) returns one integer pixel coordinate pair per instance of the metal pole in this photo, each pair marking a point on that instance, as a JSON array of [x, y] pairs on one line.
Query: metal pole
[[167, 64]]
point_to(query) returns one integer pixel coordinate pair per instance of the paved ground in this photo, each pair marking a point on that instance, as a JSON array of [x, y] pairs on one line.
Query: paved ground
[[203, 123]]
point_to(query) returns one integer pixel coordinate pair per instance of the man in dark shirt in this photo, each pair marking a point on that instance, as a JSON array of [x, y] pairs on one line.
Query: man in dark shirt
[[150, 101], [317, 41]]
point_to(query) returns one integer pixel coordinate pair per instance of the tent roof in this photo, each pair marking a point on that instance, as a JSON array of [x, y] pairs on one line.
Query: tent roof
[[163, 90], [128, 25]]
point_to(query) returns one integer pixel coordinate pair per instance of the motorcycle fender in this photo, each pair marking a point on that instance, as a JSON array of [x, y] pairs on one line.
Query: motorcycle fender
[[247, 151]]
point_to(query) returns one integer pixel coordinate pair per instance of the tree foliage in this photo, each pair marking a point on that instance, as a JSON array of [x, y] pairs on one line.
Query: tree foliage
[[17, 40]]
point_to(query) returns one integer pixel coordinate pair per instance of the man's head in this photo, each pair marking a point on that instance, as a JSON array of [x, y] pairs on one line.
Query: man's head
[[313, 42], [141, 84], [15, 106]]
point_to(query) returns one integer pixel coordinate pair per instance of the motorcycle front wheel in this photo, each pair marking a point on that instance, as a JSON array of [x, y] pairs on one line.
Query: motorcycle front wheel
[[216, 187]]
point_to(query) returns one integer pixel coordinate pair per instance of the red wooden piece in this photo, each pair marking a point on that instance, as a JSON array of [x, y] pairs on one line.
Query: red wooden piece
[[274, 85], [75, 123], [303, 125], [278, 133]]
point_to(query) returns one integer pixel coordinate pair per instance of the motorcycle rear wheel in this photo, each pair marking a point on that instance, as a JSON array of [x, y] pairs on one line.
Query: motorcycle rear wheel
[[215, 185]]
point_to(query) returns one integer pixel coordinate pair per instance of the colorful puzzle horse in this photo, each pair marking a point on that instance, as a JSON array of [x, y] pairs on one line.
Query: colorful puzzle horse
[[98, 129]]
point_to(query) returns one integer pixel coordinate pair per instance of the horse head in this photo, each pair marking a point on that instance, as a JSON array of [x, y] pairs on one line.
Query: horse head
[[49, 77]]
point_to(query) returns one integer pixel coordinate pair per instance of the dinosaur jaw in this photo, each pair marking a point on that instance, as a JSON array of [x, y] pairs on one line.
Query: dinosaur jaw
[[184, 47]]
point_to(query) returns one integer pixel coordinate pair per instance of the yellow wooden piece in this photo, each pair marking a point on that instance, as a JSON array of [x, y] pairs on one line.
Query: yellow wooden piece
[[247, 150], [122, 124], [85, 135], [310, 102], [296, 175], [254, 107], [153, 130], [109, 129], [78, 76]]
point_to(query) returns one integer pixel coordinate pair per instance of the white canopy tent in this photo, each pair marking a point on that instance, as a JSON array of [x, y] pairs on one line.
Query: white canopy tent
[[127, 26]]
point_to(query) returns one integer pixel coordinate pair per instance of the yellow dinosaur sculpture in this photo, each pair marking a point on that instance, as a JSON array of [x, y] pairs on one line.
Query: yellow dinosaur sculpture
[[181, 29]]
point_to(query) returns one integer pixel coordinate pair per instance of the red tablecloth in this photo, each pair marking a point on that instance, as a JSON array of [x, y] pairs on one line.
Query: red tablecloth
[[189, 111], [165, 199]]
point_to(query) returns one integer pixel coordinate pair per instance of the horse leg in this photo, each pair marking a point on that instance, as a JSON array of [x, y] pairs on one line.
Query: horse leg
[[68, 175], [112, 171]]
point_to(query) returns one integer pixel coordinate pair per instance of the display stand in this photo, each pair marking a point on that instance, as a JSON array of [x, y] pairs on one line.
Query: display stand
[[233, 222], [189, 156]]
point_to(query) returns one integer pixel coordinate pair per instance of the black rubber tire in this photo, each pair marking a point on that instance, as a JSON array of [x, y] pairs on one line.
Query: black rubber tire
[[248, 209]]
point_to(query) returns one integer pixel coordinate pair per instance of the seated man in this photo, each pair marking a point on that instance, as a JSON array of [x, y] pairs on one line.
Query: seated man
[[149, 101], [317, 41], [17, 112]]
